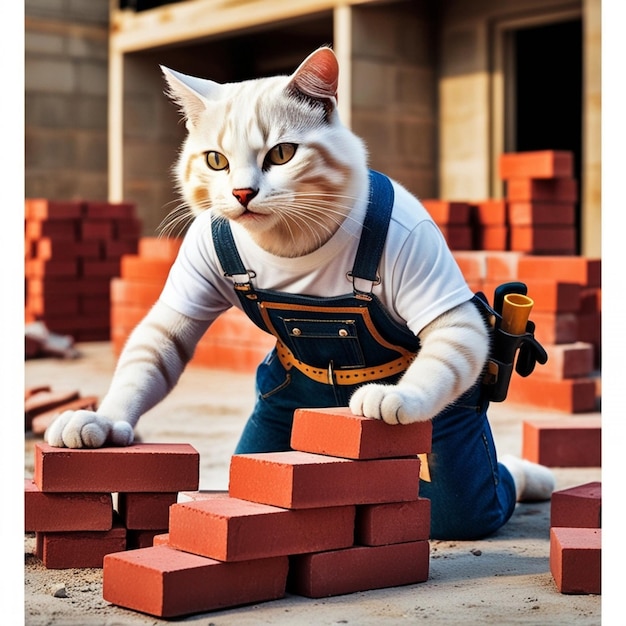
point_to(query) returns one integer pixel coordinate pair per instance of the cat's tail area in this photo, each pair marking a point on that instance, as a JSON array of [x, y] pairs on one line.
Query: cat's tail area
[[533, 482]]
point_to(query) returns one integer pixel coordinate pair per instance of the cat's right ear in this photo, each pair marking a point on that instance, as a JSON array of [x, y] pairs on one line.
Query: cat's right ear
[[190, 93]]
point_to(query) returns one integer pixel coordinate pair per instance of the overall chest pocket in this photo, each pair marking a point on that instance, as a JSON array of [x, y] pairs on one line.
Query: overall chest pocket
[[318, 342]]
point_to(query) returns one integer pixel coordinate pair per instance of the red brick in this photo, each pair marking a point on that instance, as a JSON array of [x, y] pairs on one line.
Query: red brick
[[145, 511], [297, 480], [491, 238], [457, 237], [577, 507], [109, 210], [231, 355], [159, 247], [567, 360], [96, 229], [359, 568], [472, 264], [444, 212], [65, 511], [79, 549], [44, 401], [107, 267], [537, 164], [564, 442], [502, 266], [590, 328], [137, 292], [338, 432], [555, 328], [546, 190], [43, 306], [590, 300], [541, 213], [571, 269], [48, 248], [116, 248], [138, 268], [41, 421], [575, 560], [127, 229], [44, 209], [161, 539], [490, 212], [39, 268], [94, 305], [543, 239], [65, 230], [167, 583], [395, 522], [141, 467], [229, 529], [570, 395], [554, 296]]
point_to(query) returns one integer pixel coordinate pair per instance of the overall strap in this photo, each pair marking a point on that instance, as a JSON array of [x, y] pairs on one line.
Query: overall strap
[[228, 255], [374, 233]]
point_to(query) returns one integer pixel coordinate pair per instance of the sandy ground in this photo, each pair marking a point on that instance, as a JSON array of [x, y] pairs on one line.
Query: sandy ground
[[504, 579]]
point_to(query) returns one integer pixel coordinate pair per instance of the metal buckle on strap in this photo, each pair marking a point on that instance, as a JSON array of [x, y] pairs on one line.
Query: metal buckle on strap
[[241, 282], [362, 294]]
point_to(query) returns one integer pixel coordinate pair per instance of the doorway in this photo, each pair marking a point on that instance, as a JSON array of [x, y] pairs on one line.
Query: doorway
[[547, 93]]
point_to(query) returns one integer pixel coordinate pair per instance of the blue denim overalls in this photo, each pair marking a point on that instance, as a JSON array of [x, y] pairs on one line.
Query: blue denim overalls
[[327, 347]]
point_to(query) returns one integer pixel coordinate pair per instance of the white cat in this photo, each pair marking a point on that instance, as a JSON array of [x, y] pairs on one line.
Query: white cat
[[270, 160]]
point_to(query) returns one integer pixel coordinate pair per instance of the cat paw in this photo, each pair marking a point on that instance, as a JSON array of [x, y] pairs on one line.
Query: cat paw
[[390, 403], [533, 482], [87, 429]]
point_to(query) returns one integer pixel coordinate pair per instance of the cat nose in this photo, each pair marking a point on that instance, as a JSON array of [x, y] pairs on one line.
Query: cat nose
[[245, 195]]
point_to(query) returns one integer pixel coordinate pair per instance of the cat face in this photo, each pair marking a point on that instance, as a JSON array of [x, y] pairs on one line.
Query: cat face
[[270, 154]]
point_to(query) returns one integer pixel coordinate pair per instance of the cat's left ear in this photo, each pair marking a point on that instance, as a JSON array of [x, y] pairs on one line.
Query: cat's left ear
[[190, 93], [317, 78]]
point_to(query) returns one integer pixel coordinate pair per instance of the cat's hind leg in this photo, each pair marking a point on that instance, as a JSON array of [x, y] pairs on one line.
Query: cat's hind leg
[[533, 482]]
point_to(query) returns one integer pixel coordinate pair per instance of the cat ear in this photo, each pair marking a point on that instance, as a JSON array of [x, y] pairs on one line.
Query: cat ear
[[317, 77], [190, 93]]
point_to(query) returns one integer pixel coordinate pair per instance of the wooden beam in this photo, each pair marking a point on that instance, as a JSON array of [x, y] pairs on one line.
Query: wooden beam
[[192, 20]]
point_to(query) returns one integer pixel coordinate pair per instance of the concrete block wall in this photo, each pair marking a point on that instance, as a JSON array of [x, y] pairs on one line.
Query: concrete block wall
[[65, 107], [394, 78]]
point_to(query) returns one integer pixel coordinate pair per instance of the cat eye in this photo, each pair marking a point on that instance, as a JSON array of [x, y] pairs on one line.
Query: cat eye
[[280, 154], [216, 161]]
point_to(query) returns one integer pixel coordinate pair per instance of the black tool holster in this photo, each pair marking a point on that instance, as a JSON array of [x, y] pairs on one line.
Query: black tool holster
[[505, 346]]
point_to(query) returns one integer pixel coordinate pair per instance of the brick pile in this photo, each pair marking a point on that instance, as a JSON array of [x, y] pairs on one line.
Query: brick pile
[[232, 342], [72, 250], [42, 405], [339, 513], [576, 539], [83, 504], [536, 216]]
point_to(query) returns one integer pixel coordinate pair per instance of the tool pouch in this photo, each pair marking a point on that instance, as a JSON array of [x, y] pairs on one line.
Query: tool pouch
[[508, 352]]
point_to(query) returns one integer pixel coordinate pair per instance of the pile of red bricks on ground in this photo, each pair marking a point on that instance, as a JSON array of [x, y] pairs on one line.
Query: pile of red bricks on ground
[[576, 539], [72, 250], [340, 513], [83, 504], [42, 405]]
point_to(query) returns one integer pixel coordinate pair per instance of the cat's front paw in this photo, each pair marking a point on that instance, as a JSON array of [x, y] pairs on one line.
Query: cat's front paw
[[87, 429], [390, 403]]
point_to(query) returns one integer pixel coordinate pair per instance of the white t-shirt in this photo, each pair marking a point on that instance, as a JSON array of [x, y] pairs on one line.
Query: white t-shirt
[[420, 278]]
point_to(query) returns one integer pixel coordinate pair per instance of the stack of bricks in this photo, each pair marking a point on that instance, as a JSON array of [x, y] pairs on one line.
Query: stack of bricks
[[232, 342], [576, 539], [72, 250], [566, 292], [339, 513], [536, 216], [83, 504], [541, 197]]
